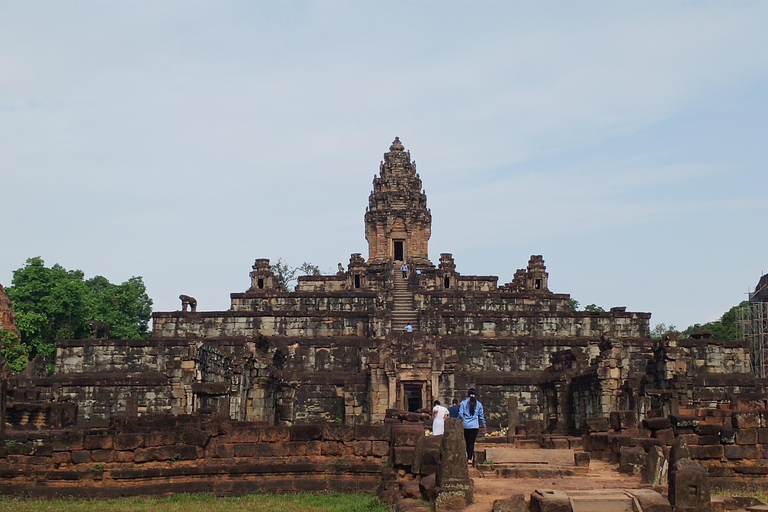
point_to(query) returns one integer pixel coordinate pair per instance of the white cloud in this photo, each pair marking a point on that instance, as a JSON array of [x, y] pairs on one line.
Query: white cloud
[[530, 123]]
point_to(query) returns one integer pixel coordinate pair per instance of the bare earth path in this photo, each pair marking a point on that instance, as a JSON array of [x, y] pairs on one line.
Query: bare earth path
[[602, 475]]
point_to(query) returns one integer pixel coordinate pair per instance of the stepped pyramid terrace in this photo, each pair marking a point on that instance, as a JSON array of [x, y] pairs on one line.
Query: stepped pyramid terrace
[[335, 350]]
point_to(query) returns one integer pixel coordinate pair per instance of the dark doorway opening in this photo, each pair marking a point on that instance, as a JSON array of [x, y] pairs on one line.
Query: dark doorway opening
[[399, 250], [447, 282], [357, 281], [413, 397], [260, 284]]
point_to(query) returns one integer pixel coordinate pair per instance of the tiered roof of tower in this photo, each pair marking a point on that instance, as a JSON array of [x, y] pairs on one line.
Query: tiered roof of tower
[[397, 210]]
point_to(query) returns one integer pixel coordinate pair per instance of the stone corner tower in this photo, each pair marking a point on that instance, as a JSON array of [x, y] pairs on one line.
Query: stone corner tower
[[398, 223]]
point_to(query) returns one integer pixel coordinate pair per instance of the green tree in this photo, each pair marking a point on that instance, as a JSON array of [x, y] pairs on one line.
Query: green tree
[[125, 307], [50, 304], [286, 275], [283, 273], [55, 304], [661, 330], [724, 329], [13, 351], [594, 308], [573, 304]]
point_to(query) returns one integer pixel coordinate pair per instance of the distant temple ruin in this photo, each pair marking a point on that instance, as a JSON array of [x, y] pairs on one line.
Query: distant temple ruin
[[335, 349]]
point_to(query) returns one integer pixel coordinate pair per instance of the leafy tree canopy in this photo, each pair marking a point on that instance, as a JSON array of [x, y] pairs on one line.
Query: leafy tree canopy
[[724, 329], [55, 303], [661, 330], [287, 276], [13, 351], [592, 308]]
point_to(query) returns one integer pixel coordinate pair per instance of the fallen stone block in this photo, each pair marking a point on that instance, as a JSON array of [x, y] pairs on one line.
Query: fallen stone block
[[514, 503], [632, 460], [623, 420], [654, 424], [598, 424]]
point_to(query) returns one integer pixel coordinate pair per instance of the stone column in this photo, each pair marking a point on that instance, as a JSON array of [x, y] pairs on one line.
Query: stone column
[[436, 389], [392, 376], [563, 407], [513, 416], [454, 488]]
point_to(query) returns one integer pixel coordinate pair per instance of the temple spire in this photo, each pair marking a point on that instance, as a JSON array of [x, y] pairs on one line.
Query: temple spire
[[398, 223]]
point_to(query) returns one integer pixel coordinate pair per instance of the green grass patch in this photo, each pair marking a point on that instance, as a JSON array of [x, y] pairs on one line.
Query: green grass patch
[[204, 503], [760, 495]]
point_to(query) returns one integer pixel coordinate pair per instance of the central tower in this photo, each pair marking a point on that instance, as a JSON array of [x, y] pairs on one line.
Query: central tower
[[398, 223]]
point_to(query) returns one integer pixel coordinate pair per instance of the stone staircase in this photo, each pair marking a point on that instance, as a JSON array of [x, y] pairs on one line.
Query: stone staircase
[[403, 312]]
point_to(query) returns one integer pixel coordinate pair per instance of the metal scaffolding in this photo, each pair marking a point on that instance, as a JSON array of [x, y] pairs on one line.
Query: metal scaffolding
[[753, 324]]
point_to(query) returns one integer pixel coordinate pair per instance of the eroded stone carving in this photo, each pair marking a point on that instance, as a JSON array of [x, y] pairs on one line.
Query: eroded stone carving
[[188, 302], [98, 329]]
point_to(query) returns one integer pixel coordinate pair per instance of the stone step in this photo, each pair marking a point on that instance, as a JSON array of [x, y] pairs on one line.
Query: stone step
[[513, 455]]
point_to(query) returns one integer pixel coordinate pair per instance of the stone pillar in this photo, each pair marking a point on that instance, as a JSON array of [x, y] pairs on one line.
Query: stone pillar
[[563, 408], [392, 377], [436, 391], [454, 488], [679, 450], [513, 416], [689, 487], [656, 467]]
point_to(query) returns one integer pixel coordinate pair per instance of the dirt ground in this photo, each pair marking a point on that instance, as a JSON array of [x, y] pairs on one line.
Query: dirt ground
[[601, 475]]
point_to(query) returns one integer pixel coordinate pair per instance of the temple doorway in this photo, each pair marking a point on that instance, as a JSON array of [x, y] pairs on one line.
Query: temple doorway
[[399, 250], [413, 396]]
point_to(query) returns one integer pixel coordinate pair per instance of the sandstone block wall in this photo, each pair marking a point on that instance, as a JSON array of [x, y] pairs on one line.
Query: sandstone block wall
[[730, 439], [537, 324], [166, 455], [300, 301], [249, 323]]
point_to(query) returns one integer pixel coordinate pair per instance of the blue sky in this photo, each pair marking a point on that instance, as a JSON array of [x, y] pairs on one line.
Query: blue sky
[[179, 141]]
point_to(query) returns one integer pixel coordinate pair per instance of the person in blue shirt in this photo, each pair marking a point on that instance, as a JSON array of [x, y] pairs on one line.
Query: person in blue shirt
[[453, 410], [472, 416]]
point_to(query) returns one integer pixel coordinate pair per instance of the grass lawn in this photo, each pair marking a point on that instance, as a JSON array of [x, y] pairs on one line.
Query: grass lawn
[[760, 495], [204, 503]]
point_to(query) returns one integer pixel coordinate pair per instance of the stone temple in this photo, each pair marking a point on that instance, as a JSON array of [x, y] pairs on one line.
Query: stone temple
[[335, 351]]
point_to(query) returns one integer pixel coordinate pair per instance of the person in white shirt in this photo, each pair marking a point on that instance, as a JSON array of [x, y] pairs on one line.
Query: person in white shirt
[[408, 328], [439, 413]]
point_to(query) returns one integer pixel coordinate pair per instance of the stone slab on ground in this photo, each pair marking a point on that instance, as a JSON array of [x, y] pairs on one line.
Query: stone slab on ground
[[601, 475], [509, 455], [599, 500]]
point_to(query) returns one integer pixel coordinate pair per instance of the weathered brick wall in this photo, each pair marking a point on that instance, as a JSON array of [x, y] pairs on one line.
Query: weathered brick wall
[[536, 324], [690, 358], [303, 301], [558, 379], [77, 356], [452, 300], [177, 376], [248, 323], [730, 439], [476, 283], [165, 455]]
